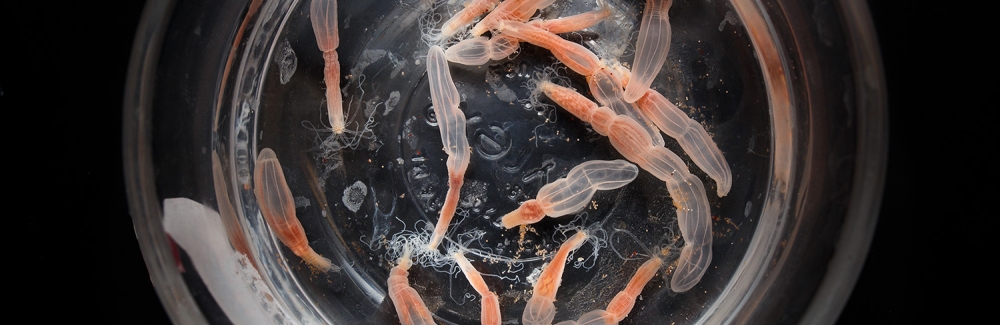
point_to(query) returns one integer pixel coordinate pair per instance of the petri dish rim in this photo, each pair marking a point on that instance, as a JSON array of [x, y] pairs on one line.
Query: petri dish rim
[[865, 192]]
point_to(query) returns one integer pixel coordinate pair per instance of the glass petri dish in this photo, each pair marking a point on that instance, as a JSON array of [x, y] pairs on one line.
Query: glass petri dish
[[790, 91]]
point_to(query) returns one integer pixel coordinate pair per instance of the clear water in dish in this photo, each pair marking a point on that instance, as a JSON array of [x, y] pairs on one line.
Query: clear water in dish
[[386, 177]]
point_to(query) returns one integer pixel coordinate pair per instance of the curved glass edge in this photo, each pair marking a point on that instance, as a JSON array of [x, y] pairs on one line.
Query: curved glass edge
[[137, 160], [751, 281], [851, 248], [240, 96], [869, 176], [756, 286]]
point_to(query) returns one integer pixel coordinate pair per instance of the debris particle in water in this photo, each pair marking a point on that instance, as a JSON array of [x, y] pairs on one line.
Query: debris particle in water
[[301, 202], [287, 62], [354, 196]]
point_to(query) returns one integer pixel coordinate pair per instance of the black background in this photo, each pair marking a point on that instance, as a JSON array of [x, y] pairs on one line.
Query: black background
[[62, 75]]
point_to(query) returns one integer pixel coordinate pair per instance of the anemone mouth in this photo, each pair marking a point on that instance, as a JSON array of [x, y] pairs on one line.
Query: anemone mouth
[[737, 68]]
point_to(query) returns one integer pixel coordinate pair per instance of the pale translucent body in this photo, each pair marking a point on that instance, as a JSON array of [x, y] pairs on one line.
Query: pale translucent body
[[607, 89], [692, 137], [687, 191], [323, 14], [573, 55], [572, 193], [516, 10], [479, 50], [689, 133], [593, 317], [623, 302], [278, 207], [650, 49], [540, 309], [473, 8], [473, 51], [605, 86], [695, 221], [409, 307], [451, 123], [573, 23], [490, 303], [626, 135]]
